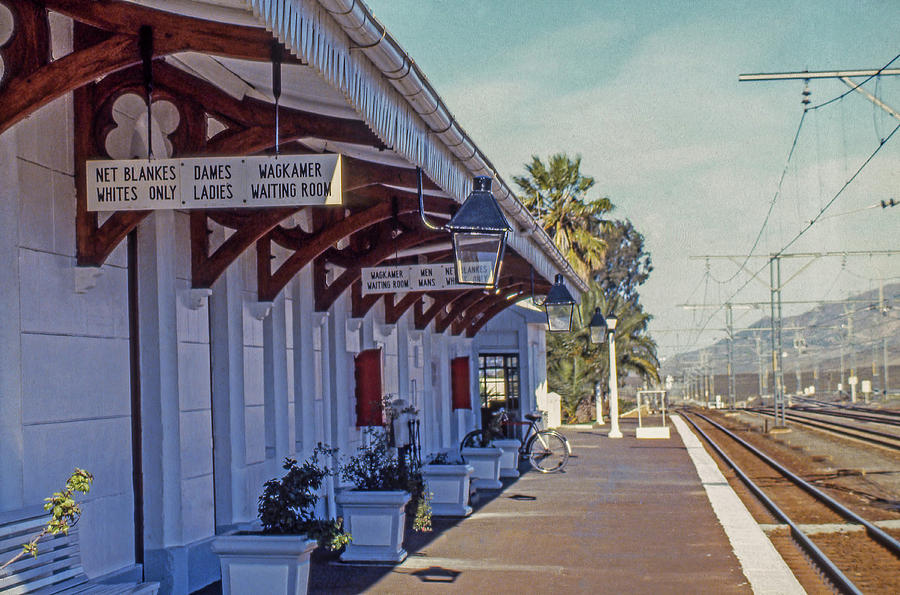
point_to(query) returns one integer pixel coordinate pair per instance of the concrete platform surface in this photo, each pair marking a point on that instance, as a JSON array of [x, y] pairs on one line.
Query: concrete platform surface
[[627, 516]]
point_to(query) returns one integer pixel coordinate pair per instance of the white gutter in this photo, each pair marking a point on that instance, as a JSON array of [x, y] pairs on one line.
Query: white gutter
[[396, 99]]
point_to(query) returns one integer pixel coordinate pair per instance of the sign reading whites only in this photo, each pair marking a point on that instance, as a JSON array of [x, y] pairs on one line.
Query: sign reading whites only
[[214, 182], [399, 279]]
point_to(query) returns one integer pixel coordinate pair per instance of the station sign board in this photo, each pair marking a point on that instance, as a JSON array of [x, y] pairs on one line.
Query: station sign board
[[213, 182], [401, 279]]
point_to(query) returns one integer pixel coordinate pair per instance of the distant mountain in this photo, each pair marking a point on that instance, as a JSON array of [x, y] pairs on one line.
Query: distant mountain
[[813, 339]]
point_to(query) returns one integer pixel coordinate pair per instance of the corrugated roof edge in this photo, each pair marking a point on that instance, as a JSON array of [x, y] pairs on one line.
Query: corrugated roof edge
[[305, 30]]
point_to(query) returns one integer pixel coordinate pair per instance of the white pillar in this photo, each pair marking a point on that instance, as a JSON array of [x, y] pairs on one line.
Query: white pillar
[[160, 403], [11, 434], [306, 386], [229, 443], [614, 431], [275, 385]]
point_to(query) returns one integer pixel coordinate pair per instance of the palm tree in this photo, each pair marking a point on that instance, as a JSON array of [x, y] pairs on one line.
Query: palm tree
[[556, 193], [579, 365]]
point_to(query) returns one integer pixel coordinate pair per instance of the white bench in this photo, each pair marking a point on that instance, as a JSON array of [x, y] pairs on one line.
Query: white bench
[[57, 567]]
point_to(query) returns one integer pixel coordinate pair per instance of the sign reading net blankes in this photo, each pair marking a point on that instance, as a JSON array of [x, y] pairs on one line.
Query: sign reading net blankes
[[213, 182], [400, 279]]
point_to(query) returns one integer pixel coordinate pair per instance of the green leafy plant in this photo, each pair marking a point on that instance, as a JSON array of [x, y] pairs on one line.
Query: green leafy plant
[[377, 467], [287, 505], [64, 512], [442, 458]]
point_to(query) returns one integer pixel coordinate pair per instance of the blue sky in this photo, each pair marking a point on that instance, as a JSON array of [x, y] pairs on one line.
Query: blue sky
[[647, 93]]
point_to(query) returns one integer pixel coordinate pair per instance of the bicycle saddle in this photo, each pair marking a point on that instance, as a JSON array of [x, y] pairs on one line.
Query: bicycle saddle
[[533, 417]]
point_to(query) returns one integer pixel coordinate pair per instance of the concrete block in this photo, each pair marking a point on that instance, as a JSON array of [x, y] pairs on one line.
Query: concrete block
[[52, 451], [35, 207], [72, 378], [197, 508], [104, 550], [45, 138], [196, 443], [51, 306], [63, 213], [255, 433], [254, 391], [659, 432], [193, 376]]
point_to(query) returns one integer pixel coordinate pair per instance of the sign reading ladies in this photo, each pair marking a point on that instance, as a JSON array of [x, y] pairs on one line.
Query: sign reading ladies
[[214, 182]]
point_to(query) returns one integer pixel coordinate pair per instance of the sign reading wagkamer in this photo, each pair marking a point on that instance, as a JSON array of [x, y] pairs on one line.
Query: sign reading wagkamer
[[214, 182], [400, 279]]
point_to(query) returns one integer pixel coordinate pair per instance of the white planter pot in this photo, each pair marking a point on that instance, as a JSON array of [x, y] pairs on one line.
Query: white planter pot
[[486, 462], [376, 522], [509, 460], [449, 488], [255, 563]]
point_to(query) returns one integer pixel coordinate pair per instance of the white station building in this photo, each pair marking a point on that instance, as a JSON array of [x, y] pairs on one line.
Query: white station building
[[180, 354]]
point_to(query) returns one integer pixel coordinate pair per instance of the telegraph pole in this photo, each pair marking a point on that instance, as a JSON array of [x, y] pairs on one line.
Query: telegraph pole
[[775, 308], [729, 325]]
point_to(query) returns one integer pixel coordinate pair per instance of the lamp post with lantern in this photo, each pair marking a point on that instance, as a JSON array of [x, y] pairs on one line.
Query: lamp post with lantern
[[602, 328]]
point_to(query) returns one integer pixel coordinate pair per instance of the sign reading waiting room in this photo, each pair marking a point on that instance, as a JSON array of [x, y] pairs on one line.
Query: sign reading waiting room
[[214, 182], [400, 279]]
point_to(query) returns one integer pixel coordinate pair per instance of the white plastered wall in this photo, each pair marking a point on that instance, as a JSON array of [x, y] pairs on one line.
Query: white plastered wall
[[64, 358]]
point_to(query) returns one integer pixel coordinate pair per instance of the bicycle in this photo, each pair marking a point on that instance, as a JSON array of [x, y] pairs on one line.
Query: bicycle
[[546, 450]]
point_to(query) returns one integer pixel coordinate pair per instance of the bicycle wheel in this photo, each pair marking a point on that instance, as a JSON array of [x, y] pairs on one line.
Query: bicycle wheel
[[547, 451], [475, 439]]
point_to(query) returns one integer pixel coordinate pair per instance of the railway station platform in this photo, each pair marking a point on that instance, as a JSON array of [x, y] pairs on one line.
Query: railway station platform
[[627, 516]]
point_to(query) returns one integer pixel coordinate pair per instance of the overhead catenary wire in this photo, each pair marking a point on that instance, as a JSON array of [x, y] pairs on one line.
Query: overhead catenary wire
[[852, 89]]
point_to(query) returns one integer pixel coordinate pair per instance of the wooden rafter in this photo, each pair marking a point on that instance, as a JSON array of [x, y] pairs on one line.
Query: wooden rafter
[[457, 306], [326, 294], [308, 246], [360, 304], [499, 305], [394, 309], [422, 316], [39, 81], [205, 267]]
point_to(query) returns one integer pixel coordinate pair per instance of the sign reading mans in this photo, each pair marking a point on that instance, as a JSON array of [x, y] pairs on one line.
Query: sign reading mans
[[214, 182], [401, 279]]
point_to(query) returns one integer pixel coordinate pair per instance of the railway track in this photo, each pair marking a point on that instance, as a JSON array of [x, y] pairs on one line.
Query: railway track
[[885, 439], [867, 561]]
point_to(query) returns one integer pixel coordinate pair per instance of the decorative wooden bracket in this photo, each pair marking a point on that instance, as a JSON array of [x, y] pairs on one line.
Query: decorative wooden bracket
[[330, 292], [479, 314], [205, 267], [457, 306], [360, 304], [423, 317], [394, 310], [309, 246]]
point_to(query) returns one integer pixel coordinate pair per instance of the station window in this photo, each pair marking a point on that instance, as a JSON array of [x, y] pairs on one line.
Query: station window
[[498, 381]]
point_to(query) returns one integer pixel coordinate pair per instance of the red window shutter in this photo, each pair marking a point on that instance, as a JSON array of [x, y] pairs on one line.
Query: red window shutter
[[369, 411], [459, 383]]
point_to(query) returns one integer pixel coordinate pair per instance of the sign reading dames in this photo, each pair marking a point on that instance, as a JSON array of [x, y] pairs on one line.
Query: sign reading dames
[[214, 182], [400, 279]]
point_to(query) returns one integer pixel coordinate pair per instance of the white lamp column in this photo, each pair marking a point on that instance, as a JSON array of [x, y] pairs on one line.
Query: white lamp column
[[614, 431]]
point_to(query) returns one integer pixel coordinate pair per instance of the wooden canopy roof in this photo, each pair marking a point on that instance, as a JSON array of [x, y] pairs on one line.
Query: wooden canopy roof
[[211, 60]]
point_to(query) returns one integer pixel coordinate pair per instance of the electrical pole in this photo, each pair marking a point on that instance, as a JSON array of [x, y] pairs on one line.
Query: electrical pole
[[759, 360], [775, 308], [729, 325], [884, 350]]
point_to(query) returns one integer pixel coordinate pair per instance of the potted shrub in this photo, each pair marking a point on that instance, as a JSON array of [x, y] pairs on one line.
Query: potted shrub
[[485, 460], [276, 559], [447, 482], [386, 488]]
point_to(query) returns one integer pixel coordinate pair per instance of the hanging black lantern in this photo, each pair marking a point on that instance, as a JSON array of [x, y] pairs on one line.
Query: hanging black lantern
[[560, 307], [598, 327], [479, 236]]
